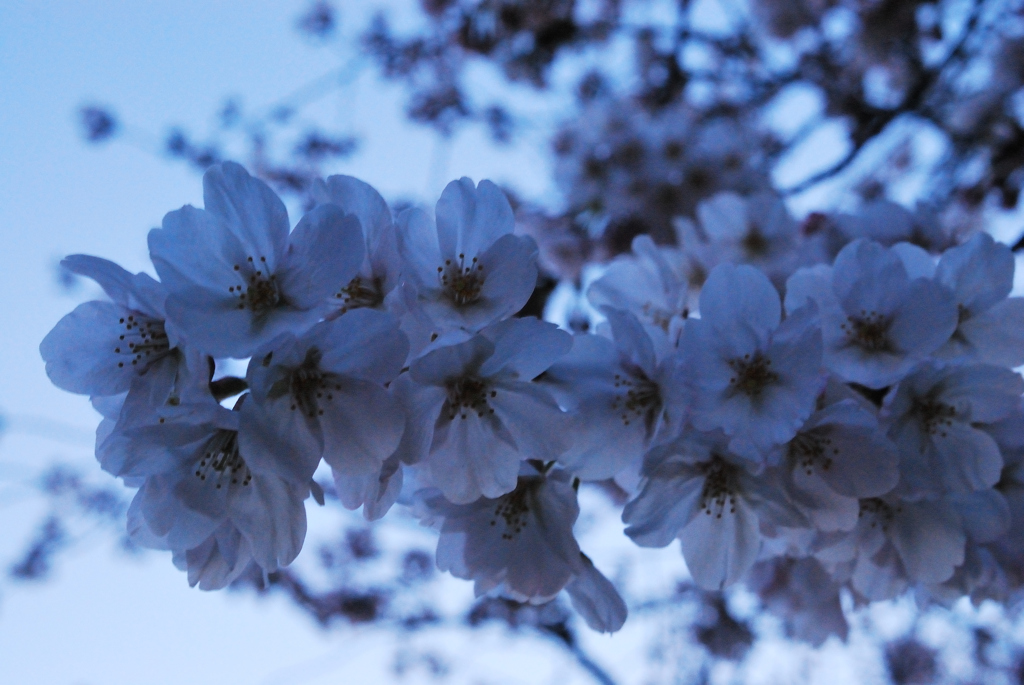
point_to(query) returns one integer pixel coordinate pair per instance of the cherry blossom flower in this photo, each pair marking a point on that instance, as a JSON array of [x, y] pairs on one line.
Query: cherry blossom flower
[[103, 348], [934, 417], [468, 270], [521, 545], [877, 322], [839, 456], [698, 490], [235, 276], [322, 395], [755, 378], [621, 397], [474, 414], [202, 499]]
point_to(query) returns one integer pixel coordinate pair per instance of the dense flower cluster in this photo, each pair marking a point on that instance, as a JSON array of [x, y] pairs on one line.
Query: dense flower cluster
[[827, 400]]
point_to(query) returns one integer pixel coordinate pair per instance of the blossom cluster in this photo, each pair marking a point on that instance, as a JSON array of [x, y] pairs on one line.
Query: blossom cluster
[[862, 428]]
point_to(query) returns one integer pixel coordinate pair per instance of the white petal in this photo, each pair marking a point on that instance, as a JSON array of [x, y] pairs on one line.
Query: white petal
[[80, 351], [979, 273], [720, 548], [524, 348], [115, 280], [249, 208], [997, 335], [271, 515], [468, 460], [362, 426], [742, 302], [469, 220], [596, 599], [324, 253]]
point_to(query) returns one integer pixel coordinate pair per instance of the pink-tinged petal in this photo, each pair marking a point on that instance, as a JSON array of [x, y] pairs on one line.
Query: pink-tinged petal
[[324, 253], [250, 210]]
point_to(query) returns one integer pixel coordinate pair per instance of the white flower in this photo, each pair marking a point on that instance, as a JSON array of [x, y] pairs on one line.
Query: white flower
[[521, 546], [236, 278], [934, 416], [648, 283], [322, 395], [752, 376], [381, 269], [104, 348], [990, 329], [474, 414], [197, 480], [620, 396], [469, 271], [696, 489], [838, 457], [876, 322]]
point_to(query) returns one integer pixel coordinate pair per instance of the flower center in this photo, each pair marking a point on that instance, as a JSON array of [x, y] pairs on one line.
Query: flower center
[[514, 508], [461, 283], [360, 293], [719, 487], [639, 397], [259, 292], [869, 331], [808, 450], [882, 514], [468, 394], [221, 462], [751, 374], [935, 416], [143, 342]]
